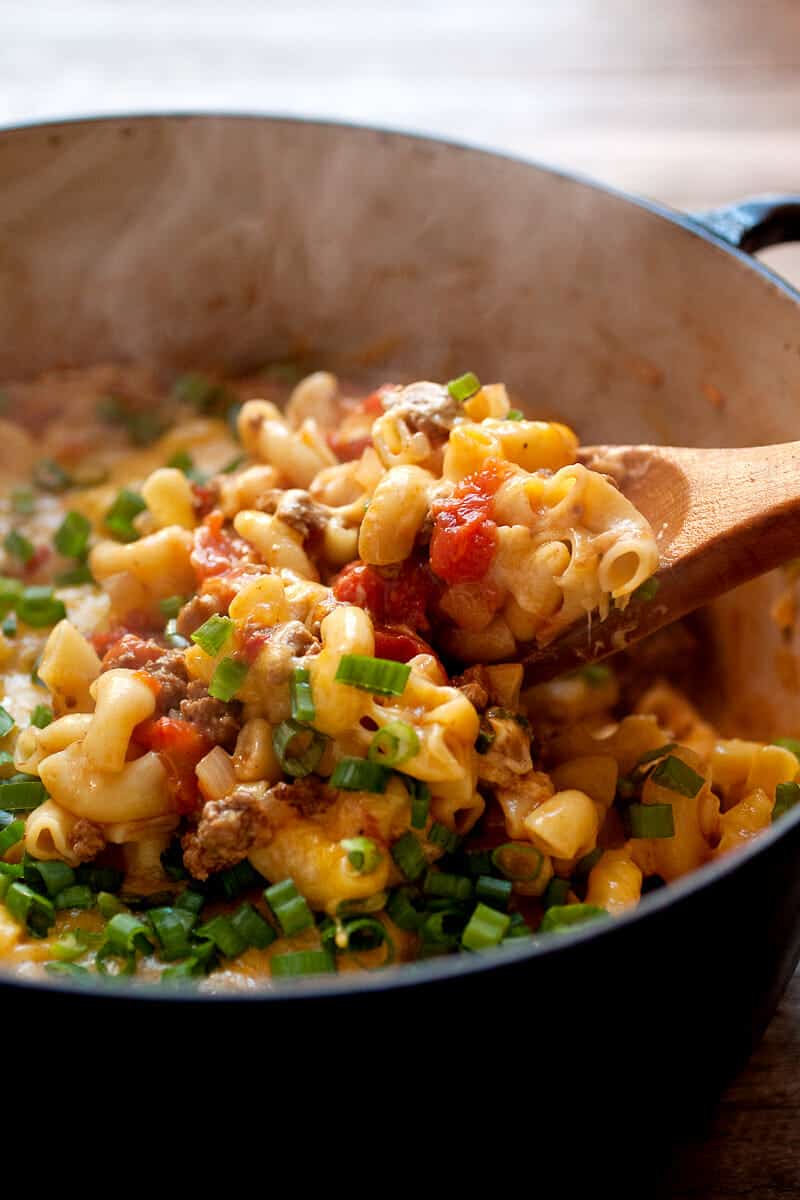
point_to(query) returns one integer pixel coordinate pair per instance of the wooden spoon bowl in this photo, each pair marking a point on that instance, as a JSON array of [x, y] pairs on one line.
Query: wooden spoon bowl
[[720, 517]]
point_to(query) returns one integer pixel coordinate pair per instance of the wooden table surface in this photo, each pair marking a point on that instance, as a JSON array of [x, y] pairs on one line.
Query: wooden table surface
[[694, 103]]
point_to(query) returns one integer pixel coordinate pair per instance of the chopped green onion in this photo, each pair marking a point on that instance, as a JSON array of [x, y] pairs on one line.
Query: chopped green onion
[[181, 461], [647, 590], [233, 465], [519, 928], [556, 892], [485, 740], [198, 390], [69, 970], [382, 676], [220, 931], [403, 911], [213, 634], [72, 536], [518, 861], [651, 755], [30, 909], [99, 879], [42, 716], [52, 876], [596, 674], [173, 638], [486, 928], [190, 968], [303, 709], [109, 905], [562, 917], [171, 927], [21, 793], [362, 853], [651, 820], [23, 501], [171, 605], [478, 862], [515, 414], [251, 926], [77, 896], [228, 677], [409, 856], [289, 907], [11, 834], [584, 865], [420, 795], [50, 476], [10, 592], [127, 934], [9, 626], [464, 386], [444, 926], [75, 576], [6, 722], [113, 963], [39, 608], [119, 518], [71, 946], [370, 933], [19, 546], [360, 775], [191, 901], [302, 962], [393, 744], [786, 796], [6, 759], [496, 892], [440, 835], [677, 776], [298, 748], [454, 887], [788, 743], [238, 878]]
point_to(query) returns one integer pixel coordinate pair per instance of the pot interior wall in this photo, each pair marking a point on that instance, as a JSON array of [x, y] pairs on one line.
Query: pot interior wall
[[228, 242]]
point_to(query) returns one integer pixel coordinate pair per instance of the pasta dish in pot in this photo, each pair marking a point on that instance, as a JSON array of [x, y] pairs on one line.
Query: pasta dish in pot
[[262, 715]]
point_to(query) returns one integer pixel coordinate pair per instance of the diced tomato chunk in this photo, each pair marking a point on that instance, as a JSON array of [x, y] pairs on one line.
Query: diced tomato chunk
[[348, 449], [399, 644], [464, 536], [402, 597], [181, 745], [216, 551]]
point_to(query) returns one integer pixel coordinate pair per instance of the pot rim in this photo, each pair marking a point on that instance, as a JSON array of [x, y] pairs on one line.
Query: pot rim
[[459, 965]]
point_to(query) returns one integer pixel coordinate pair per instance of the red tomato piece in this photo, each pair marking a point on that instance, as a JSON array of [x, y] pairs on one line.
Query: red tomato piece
[[398, 598], [464, 535], [181, 745], [216, 551]]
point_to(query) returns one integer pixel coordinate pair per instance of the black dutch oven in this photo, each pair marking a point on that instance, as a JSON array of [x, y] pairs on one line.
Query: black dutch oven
[[198, 240]]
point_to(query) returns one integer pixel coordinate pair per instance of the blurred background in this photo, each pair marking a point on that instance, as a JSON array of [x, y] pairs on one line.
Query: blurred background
[[692, 102]]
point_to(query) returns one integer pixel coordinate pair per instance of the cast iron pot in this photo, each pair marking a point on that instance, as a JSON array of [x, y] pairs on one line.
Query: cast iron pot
[[231, 241]]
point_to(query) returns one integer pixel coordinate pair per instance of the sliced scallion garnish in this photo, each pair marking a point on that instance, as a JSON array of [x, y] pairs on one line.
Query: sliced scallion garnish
[[302, 962], [302, 699], [42, 716], [298, 748], [19, 546], [676, 775], [786, 796], [360, 775], [650, 820], [560, 918], [228, 677], [486, 928], [119, 518], [38, 607], [289, 907], [30, 909], [453, 887], [212, 634], [518, 861], [464, 386], [363, 854], [393, 744], [382, 676], [409, 856], [72, 536]]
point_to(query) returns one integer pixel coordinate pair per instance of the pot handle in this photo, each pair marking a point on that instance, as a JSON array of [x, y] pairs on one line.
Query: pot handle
[[754, 224]]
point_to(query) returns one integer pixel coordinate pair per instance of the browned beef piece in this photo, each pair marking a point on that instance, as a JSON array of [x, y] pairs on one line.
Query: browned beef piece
[[295, 636], [476, 686], [197, 611], [165, 666], [227, 830], [425, 407], [296, 509], [308, 795], [86, 840], [218, 720]]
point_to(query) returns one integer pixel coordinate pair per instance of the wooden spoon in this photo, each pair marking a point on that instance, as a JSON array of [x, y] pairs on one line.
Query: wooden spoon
[[720, 517]]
